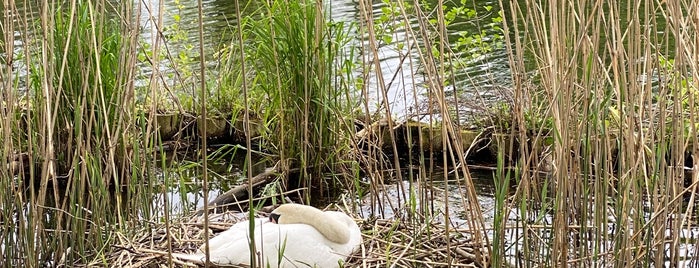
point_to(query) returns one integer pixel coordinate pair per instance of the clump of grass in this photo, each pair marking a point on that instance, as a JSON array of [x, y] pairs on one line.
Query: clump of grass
[[293, 52], [89, 106], [75, 134]]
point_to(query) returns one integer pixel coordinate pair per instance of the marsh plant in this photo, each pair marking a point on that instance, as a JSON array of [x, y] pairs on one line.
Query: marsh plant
[[69, 132], [296, 53], [623, 127], [603, 117]]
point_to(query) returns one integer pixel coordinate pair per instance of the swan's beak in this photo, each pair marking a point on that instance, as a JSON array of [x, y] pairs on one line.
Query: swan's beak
[[273, 217]]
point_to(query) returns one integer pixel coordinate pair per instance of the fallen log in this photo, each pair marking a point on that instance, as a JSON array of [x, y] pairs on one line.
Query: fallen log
[[240, 192]]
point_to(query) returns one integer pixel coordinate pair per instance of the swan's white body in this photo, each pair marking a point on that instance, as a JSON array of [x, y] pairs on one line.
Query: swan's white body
[[304, 237]]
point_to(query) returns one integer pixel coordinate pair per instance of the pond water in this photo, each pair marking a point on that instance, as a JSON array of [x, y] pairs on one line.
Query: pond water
[[477, 80], [187, 196], [476, 73], [476, 77]]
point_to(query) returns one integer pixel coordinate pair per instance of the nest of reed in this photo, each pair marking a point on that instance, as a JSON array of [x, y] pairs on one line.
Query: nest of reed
[[395, 243]]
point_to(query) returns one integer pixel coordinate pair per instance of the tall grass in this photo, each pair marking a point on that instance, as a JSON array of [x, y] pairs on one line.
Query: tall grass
[[618, 81], [418, 31], [604, 99], [69, 127], [9, 124], [294, 54]]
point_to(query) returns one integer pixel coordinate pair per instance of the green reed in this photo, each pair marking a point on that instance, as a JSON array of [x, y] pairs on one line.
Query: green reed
[[293, 51], [69, 129]]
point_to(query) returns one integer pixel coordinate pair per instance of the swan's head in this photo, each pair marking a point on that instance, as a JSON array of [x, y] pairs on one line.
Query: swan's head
[[331, 227], [294, 213], [274, 217]]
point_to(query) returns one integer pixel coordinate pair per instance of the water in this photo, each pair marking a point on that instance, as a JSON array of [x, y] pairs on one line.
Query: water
[[479, 78], [476, 78], [401, 67], [403, 70], [400, 64], [184, 181]]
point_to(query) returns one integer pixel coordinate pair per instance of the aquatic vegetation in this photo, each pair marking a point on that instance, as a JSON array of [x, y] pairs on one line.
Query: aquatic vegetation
[[615, 190], [74, 147], [297, 58], [594, 136]]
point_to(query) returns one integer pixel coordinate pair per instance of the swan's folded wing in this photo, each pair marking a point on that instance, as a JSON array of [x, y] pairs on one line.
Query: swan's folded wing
[[234, 234], [304, 246]]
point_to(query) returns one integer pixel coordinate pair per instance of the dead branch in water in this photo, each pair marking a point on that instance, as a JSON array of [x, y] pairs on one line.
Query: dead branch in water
[[240, 192]]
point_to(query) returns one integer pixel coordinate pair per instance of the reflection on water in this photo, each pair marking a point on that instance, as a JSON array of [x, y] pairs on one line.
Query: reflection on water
[[183, 192], [392, 201], [173, 25], [400, 64]]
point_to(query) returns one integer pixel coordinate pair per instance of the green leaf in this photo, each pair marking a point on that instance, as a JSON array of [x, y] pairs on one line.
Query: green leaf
[[387, 38]]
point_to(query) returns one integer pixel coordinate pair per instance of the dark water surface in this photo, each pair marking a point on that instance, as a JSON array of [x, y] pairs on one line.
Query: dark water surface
[[477, 81]]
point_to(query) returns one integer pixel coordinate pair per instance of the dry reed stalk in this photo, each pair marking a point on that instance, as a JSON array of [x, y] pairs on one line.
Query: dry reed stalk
[[419, 41], [621, 115]]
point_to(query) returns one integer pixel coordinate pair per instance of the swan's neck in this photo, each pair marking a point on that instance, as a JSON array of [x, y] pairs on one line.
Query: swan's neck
[[332, 229], [329, 226]]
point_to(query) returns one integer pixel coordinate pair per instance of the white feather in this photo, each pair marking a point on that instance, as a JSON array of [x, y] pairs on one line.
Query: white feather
[[299, 244]]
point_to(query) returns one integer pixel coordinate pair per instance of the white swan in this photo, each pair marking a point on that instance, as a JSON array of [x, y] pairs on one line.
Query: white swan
[[305, 236]]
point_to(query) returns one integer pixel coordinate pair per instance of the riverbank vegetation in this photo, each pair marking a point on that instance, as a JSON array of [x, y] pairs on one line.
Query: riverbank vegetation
[[617, 83], [109, 115]]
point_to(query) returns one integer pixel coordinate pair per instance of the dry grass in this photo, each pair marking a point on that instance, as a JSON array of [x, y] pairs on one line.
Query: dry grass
[[395, 243], [387, 243]]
